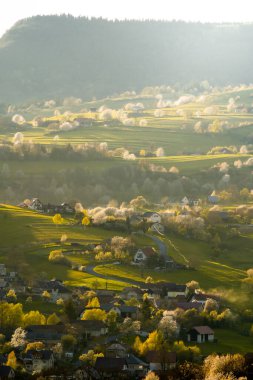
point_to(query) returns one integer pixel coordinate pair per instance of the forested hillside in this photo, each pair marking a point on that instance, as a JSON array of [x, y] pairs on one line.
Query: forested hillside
[[58, 56]]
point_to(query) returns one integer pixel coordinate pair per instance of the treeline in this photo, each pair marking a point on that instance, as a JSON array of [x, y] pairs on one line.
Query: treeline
[[59, 56], [80, 177]]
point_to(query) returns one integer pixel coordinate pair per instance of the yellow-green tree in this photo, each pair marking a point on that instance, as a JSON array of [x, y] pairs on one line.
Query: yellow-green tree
[[34, 317], [94, 314], [186, 352], [154, 341], [53, 319], [93, 303], [35, 346], [11, 315], [46, 295], [138, 346], [56, 256], [12, 360], [60, 302], [11, 294], [103, 256], [57, 219], [91, 357], [151, 376], [85, 219]]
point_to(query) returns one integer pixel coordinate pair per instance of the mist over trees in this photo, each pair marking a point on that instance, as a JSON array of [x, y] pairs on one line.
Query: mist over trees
[[59, 56]]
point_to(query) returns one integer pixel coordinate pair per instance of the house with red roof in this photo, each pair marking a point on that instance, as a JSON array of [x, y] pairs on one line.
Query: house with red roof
[[143, 254]]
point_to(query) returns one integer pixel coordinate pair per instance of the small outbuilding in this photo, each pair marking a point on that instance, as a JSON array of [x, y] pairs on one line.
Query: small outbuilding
[[200, 334]]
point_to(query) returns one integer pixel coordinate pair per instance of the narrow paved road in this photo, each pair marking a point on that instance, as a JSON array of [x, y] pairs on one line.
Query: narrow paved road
[[162, 250], [90, 270]]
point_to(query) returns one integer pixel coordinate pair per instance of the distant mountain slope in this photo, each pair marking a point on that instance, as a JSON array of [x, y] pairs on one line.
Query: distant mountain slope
[[58, 56]]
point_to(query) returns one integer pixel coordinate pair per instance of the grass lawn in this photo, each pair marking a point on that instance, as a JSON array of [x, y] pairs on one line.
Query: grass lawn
[[220, 274], [27, 238], [24, 227], [225, 271], [194, 163], [229, 341], [39, 304]]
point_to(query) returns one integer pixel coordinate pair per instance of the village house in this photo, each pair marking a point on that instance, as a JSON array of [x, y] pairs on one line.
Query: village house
[[189, 305], [213, 198], [110, 367], [143, 254], [116, 350], [63, 208], [56, 290], [163, 289], [38, 360], [136, 366], [49, 334], [185, 201], [35, 205], [152, 217], [200, 334], [90, 328], [174, 290], [161, 360], [123, 311], [131, 292], [129, 311], [202, 298], [189, 202]]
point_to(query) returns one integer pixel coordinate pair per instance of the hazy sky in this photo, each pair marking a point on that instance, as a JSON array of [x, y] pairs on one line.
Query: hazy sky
[[190, 10]]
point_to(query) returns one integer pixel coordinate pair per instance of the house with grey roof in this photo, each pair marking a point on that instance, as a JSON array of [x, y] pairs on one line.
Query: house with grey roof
[[200, 334]]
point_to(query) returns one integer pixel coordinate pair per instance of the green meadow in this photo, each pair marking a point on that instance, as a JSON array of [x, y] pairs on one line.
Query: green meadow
[[28, 237], [26, 234]]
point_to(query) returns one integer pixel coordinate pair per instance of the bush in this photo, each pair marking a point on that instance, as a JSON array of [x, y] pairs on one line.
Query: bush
[[58, 258]]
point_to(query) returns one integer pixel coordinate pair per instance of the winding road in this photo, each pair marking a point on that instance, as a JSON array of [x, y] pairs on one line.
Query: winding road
[[90, 270], [162, 250]]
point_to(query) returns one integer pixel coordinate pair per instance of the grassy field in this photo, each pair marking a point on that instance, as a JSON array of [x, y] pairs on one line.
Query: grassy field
[[25, 227], [167, 133], [222, 274], [172, 131], [184, 149], [194, 163], [28, 237], [187, 164], [228, 342], [226, 271]]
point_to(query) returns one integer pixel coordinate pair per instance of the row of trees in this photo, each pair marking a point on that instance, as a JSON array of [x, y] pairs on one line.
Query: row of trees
[[13, 316]]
